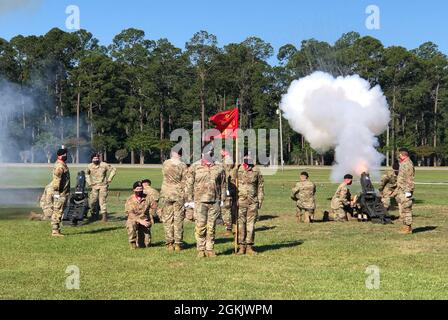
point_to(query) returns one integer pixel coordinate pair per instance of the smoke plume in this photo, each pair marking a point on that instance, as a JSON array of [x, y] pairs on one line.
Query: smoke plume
[[344, 114]]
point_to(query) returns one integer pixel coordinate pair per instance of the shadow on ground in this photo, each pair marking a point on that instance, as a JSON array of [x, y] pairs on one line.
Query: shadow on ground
[[270, 247], [424, 229]]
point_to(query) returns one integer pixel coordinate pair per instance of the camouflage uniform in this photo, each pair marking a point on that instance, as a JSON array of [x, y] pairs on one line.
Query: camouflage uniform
[[189, 212], [46, 203], [341, 202], [227, 211], [387, 186], [98, 177], [405, 184], [138, 209], [303, 193], [207, 188], [250, 199], [172, 199], [60, 185], [154, 196]]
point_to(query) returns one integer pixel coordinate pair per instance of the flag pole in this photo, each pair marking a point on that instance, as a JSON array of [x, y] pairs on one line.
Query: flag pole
[[236, 181]]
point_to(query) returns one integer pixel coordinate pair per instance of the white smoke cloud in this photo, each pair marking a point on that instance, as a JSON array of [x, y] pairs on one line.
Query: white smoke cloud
[[344, 114]]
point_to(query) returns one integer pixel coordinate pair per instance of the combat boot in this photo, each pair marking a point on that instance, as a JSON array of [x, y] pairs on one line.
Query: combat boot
[[177, 247], [201, 254], [211, 254], [405, 230], [133, 245], [57, 233], [170, 247], [250, 251], [104, 218], [241, 250]]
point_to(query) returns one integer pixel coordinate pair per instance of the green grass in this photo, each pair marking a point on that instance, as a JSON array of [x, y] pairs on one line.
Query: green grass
[[320, 261]]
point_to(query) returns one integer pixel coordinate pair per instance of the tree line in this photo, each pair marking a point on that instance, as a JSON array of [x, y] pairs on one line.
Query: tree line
[[132, 93]]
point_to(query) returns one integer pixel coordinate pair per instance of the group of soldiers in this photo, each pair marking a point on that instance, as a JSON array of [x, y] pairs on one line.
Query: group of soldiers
[[208, 190], [397, 184], [54, 200], [202, 192]]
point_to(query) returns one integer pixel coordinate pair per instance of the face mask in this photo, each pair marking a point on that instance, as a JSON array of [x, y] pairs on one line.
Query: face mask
[[139, 194]]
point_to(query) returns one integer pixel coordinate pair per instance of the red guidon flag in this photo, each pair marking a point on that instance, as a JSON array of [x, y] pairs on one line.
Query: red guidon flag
[[227, 123]]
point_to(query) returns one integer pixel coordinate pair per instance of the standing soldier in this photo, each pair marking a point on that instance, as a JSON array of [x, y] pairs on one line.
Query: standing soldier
[[139, 220], [172, 198], [388, 184], [153, 195], [98, 176], [303, 193], [405, 190], [61, 191], [250, 200], [341, 203], [227, 211], [206, 188]]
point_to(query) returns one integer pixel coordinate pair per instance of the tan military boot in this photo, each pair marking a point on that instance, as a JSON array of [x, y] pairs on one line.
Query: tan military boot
[[57, 233], [170, 247], [250, 251], [201, 254], [211, 254], [241, 250], [104, 218], [133, 245], [405, 230], [307, 218], [177, 247]]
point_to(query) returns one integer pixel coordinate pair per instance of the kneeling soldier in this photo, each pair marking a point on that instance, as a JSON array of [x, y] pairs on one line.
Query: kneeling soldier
[[341, 202], [139, 220], [303, 193]]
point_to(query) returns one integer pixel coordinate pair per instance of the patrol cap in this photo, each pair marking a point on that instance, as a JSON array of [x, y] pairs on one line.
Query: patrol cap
[[137, 184], [61, 152], [304, 173]]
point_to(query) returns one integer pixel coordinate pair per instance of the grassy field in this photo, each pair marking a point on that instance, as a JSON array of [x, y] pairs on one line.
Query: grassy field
[[318, 261]]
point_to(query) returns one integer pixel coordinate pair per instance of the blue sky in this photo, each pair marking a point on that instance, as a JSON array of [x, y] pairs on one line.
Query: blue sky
[[405, 23]]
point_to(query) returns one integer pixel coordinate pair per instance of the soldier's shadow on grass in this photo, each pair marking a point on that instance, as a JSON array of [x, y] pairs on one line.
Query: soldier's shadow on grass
[[267, 217], [424, 229], [100, 230], [264, 228], [270, 247]]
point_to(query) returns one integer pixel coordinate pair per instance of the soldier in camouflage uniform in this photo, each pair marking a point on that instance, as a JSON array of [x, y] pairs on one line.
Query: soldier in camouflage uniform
[[341, 203], [303, 193], [227, 211], [98, 176], [172, 199], [250, 200], [206, 188], [154, 195], [189, 211], [388, 184], [46, 203], [61, 191], [139, 221], [405, 190]]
